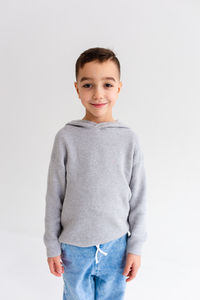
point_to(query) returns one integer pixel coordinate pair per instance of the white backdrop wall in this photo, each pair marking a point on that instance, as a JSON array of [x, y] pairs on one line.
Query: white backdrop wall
[[158, 45]]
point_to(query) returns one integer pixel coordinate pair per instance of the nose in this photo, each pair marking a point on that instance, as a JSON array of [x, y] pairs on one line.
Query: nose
[[98, 94]]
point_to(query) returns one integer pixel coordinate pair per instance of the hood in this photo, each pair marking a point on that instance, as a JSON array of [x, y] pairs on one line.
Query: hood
[[90, 124]]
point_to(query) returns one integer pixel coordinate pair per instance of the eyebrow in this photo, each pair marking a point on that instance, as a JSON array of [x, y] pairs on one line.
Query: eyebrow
[[88, 78]]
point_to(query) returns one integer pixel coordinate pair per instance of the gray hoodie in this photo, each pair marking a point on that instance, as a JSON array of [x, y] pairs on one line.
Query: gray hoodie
[[96, 187]]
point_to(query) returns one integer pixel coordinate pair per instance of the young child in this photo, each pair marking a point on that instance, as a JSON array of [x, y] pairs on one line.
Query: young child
[[95, 215]]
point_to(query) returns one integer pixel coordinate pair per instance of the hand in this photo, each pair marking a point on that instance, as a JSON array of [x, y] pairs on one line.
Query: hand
[[55, 265], [133, 263]]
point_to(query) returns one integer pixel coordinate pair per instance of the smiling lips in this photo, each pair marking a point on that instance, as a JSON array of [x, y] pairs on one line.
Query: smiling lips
[[99, 105]]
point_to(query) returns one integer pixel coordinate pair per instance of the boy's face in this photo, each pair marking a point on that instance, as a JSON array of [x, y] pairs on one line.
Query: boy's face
[[94, 88]]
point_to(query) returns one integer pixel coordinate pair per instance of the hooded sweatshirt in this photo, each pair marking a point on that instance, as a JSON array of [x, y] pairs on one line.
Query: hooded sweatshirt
[[96, 187]]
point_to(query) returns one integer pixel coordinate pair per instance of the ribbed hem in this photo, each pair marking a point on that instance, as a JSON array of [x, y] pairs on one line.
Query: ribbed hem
[[53, 251], [134, 247]]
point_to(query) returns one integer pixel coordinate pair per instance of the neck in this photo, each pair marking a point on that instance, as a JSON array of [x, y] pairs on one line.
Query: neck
[[100, 119]]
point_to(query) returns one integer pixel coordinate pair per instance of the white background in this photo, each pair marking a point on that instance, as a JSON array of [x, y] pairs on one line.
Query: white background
[[158, 45]]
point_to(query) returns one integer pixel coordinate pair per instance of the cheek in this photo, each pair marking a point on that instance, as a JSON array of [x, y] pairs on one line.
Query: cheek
[[85, 95], [112, 98], [112, 95]]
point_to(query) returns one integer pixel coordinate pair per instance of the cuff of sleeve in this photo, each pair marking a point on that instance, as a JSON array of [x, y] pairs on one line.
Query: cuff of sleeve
[[135, 246], [53, 251]]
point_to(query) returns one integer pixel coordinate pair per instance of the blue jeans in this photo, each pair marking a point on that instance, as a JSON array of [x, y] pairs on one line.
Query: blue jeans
[[95, 272]]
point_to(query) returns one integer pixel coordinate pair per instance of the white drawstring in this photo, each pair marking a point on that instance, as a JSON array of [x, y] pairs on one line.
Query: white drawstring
[[98, 249]]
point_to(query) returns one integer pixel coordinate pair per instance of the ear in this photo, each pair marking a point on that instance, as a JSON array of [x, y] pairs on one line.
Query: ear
[[119, 87], [76, 87]]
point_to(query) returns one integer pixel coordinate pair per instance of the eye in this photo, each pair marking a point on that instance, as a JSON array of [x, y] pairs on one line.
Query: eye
[[108, 85], [85, 85]]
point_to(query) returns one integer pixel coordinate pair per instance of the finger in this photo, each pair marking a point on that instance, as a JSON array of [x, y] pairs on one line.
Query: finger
[[58, 268], [132, 274], [53, 269], [127, 269]]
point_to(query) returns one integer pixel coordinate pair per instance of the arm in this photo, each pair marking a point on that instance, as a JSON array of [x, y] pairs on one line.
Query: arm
[[56, 185], [137, 213]]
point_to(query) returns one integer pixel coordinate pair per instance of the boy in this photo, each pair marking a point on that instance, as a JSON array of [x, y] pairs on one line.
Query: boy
[[96, 190]]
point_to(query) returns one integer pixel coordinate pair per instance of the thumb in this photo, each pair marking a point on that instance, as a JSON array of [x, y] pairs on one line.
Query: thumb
[[58, 266]]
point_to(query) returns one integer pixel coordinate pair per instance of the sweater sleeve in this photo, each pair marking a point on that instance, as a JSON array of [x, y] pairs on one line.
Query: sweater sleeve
[[137, 212], [56, 186]]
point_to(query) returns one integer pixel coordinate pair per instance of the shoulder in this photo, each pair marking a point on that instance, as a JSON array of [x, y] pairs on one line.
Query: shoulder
[[59, 135], [63, 131], [60, 132], [133, 135], [136, 143], [128, 129]]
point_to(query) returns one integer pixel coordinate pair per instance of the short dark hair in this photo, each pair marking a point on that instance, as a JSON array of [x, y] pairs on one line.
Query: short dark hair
[[99, 54]]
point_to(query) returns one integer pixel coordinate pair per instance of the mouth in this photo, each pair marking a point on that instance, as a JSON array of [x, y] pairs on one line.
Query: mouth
[[99, 105]]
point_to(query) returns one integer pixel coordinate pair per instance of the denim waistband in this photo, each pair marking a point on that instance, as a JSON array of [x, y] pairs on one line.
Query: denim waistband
[[103, 252]]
